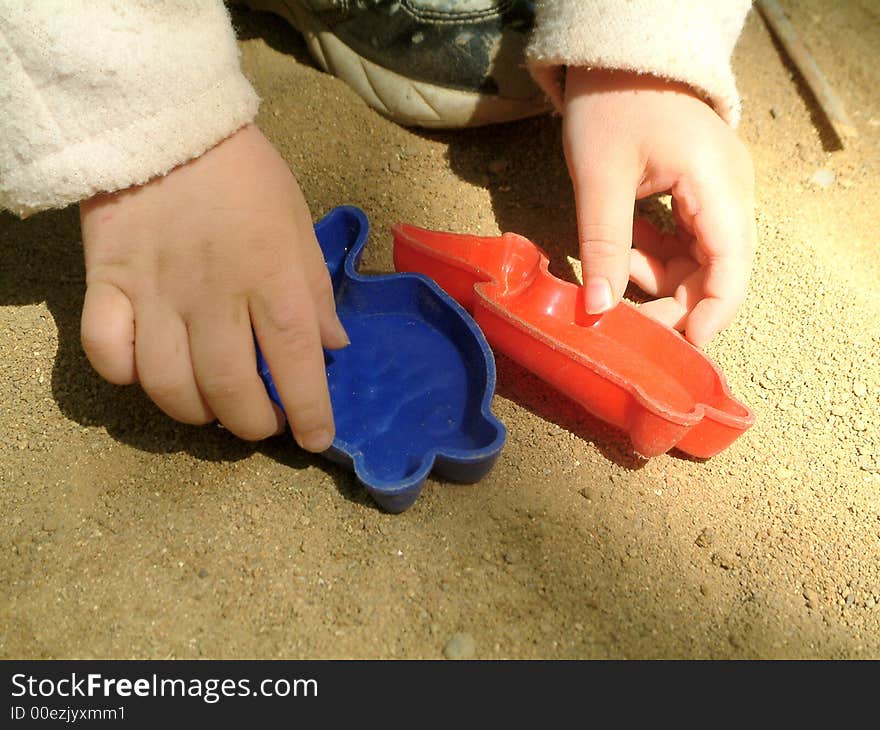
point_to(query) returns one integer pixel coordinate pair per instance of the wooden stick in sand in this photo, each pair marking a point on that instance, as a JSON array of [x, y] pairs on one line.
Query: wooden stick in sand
[[827, 98]]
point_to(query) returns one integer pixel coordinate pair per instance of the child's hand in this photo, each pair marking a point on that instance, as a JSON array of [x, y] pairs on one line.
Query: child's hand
[[178, 271], [628, 136]]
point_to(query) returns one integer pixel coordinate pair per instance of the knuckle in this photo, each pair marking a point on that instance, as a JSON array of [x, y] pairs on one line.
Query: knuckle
[[170, 394], [162, 388], [600, 251], [225, 385], [284, 319], [323, 290], [299, 345], [600, 244], [294, 335], [311, 415], [603, 234]]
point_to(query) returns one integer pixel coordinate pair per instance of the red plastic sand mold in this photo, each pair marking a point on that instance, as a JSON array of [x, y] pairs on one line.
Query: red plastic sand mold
[[622, 366]]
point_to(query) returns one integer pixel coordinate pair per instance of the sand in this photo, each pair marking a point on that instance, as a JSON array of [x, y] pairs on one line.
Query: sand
[[124, 534]]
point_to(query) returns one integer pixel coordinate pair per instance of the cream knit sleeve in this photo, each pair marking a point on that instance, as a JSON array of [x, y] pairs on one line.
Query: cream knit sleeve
[[99, 95], [682, 40]]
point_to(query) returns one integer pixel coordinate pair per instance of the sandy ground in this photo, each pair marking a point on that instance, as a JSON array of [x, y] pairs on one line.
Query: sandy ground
[[123, 534]]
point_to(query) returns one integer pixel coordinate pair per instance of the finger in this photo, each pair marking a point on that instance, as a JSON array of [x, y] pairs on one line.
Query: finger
[[333, 335], [165, 369], [683, 218], [286, 325], [605, 198], [725, 236], [728, 279], [648, 239], [667, 310], [223, 356], [656, 277], [674, 311], [107, 333]]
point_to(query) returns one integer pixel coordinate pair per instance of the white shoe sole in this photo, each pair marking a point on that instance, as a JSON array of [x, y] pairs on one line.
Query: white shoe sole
[[406, 101]]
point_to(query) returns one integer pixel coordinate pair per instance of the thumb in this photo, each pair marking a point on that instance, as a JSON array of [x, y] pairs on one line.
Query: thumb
[[333, 334], [605, 198], [107, 333]]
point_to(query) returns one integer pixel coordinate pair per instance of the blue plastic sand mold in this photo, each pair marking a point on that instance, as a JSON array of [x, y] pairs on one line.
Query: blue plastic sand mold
[[413, 391]]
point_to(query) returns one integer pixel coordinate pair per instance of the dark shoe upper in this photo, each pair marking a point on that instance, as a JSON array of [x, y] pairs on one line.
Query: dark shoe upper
[[473, 45]]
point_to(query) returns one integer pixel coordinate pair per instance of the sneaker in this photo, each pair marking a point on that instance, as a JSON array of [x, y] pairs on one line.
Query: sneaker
[[424, 63]]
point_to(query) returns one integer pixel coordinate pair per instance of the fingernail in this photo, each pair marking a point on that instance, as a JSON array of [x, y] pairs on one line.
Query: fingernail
[[316, 441], [343, 335], [597, 295]]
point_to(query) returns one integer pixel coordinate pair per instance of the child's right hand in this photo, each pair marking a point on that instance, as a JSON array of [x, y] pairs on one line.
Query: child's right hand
[[628, 136], [179, 270]]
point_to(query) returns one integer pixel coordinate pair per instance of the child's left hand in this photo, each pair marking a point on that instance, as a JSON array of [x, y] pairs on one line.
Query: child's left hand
[[628, 136], [184, 270]]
